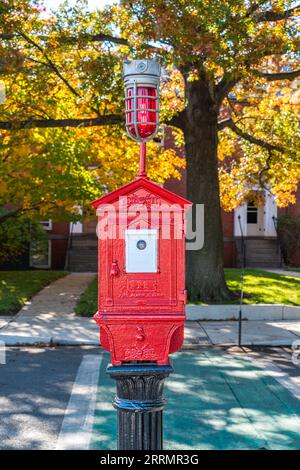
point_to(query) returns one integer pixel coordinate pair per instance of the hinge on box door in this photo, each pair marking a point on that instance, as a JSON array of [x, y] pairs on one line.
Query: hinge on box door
[[183, 295]]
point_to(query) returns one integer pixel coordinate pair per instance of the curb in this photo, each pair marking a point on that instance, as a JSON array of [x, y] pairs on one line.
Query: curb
[[256, 312], [262, 344], [52, 342], [12, 340]]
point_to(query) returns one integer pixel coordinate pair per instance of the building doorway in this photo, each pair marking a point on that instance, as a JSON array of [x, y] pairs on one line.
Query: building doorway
[[255, 219]]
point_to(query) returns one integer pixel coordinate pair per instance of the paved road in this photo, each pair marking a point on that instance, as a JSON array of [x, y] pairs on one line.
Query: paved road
[[35, 388], [218, 399]]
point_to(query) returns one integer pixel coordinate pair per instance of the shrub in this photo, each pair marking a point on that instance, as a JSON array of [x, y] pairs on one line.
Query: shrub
[[16, 234], [288, 228]]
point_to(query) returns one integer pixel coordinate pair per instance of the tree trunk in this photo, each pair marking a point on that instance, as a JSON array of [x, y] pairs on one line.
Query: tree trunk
[[205, 274]]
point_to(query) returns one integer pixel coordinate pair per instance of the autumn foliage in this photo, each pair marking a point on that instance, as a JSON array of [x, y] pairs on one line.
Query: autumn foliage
[[230, 89]]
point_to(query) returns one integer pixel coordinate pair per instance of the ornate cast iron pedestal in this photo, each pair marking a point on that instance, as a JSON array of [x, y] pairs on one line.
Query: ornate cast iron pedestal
[[139, 402]]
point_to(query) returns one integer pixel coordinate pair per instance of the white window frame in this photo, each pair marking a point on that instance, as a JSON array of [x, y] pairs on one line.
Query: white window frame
[[46, 224], [43, 266]]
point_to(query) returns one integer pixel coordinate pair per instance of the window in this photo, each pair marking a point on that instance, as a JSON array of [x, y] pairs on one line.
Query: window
[[47, 224], [251, 213], [40, 253]]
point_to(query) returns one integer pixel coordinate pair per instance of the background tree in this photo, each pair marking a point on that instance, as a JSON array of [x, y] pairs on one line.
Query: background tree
[[216, 54], [50, 162], [268, 118], [222, 49]]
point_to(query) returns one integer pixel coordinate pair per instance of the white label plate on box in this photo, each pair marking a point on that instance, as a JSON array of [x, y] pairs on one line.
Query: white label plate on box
[[141, 250]]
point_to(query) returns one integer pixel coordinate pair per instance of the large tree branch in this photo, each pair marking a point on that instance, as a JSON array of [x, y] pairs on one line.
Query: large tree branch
[[265, 170], [75, 39], [224, 87], [270, 15], [223, 124], [109, 119], [19, 211], [253, 7], [99, 37], [271, 77], [178, 120], [250, 138], [50, 63]]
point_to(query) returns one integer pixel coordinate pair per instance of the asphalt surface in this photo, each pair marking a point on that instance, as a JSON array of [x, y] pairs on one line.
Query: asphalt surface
[[219, 399], [35, 387], [226, 402]]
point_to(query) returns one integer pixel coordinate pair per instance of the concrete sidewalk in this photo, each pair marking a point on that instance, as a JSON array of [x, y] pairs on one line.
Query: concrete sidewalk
[[283, 272], [74, 331], [49, 319], [254, 333], [49, 316]]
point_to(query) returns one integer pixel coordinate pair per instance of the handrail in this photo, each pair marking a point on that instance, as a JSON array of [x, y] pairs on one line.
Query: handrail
[[69, 247], [243, 243], [275, 222]]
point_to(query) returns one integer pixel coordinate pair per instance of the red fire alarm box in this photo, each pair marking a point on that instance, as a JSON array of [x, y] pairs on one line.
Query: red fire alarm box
[[141, 264]]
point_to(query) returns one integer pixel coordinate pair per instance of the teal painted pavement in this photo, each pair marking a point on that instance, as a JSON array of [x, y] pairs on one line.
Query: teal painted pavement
[[215, 401]]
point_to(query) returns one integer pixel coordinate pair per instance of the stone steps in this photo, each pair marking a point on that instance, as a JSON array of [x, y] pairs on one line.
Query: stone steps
[[84, 253], [260, 252]]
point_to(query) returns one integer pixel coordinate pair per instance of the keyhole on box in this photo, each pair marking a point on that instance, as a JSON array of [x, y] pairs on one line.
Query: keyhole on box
[[141, 244], [140, 336]]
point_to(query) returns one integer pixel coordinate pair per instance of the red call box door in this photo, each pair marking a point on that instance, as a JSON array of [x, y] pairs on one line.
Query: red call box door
[[161, 289], [142, 268]]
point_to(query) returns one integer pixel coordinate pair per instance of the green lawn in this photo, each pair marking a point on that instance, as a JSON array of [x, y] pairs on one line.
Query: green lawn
[[16, 287], [87, 305], [261, 287]]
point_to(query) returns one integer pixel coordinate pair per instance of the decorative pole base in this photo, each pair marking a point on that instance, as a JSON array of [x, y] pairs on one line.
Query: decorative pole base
[[140, 404]]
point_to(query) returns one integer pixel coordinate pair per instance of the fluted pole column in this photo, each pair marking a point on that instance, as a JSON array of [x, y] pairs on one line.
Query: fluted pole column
[[139, 403]]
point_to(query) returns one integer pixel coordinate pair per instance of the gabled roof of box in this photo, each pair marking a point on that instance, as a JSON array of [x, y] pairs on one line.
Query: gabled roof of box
[[146, 184]]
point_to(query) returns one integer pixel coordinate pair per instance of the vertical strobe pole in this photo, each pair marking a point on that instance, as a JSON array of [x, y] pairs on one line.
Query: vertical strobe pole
[[142, 168]]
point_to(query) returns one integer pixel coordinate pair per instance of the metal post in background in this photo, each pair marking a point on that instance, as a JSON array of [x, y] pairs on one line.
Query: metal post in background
[[243, 262]]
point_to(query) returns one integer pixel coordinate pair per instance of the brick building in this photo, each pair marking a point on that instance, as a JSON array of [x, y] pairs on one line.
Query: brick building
[[74, 245]]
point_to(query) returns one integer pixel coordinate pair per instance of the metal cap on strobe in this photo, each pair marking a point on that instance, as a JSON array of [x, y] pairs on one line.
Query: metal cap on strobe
[[145, 72]]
